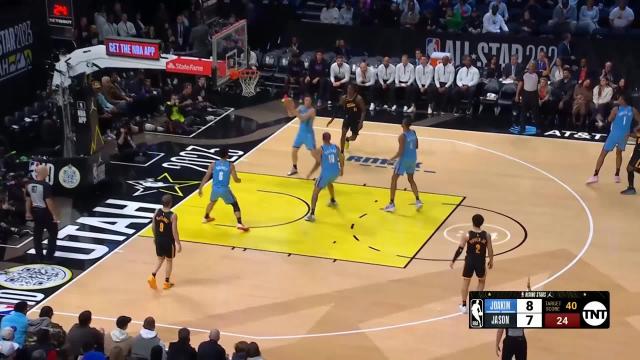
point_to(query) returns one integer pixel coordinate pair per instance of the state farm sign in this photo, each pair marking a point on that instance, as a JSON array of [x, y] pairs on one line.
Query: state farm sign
[[191, 66]]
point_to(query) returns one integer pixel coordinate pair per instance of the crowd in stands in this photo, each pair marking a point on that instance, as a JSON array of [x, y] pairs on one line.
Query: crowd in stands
[[570, 93], [486, 16], [42, 339]]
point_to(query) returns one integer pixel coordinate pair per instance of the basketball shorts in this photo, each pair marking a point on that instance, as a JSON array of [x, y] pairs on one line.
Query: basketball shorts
[[165, 248], [634, 162], [305, 138], [352, 123], [225, 194], [405, 167], [615, 140], [325, 179], [474, 265]]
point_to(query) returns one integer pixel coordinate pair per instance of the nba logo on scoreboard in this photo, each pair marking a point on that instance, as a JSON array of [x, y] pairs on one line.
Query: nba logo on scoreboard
[[476, 316], [595, 313], [432, 45]]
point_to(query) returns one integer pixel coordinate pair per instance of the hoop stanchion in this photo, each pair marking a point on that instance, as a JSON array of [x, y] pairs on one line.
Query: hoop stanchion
[[249, 80]]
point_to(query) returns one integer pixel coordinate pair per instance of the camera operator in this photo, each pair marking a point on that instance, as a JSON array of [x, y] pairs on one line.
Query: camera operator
[[41, 209], [128, 151]]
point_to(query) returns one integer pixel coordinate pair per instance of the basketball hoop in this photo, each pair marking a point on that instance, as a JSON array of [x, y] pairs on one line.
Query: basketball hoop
[[248, 80]]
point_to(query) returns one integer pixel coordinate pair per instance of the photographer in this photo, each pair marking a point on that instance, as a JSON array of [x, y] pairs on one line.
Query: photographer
[[128, 151]]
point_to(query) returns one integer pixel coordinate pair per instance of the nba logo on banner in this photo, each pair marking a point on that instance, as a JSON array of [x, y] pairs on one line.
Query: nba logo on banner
[[432, 45], [476, 316]]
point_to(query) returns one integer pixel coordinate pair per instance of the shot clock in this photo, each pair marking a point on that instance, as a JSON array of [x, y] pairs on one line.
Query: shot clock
[[539, 309]]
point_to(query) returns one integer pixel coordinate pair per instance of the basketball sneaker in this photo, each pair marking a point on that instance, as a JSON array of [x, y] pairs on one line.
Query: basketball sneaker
[[617, 179], [391, 207], [292, 172], [463, 309], [628, 191], [592, 180], [242, 227], [346, 144], [310, 218], [419, 204], [372, 107], [167, 285], [152, 282], [207, 219], [332, 203], [429, 110], [393, 108]]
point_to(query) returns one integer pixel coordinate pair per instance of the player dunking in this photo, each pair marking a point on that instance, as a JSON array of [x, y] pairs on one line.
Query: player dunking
[[407, 158], [354, 112], [331, 161], [167, 241], [620, 118], [222, 170], [306, 114], [634, 164], [477, 242]]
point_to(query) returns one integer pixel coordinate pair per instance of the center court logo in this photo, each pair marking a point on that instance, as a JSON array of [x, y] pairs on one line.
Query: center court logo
[[476, 314], [595, 313], [34, 277], [379, 162]]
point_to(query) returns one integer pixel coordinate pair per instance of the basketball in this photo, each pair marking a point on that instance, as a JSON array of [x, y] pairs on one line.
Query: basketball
[[289, 105]]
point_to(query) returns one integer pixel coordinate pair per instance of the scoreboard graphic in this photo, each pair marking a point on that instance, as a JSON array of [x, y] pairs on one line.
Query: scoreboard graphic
[[539, 309]]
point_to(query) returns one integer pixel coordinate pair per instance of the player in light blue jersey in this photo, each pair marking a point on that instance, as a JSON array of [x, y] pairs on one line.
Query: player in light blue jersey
[[621, 119], [330, 160], [406, 164], [306, 114], [221, 171]]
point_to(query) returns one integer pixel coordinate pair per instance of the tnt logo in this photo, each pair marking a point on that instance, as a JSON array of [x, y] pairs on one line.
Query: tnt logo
[[432, 45], [595, 313]]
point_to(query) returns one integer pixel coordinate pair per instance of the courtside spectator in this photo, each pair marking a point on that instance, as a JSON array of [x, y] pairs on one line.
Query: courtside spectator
[[546, 109], [89, 352], [424, 82], [211, 349], [602, 95], [405, 87], [492, 69], [295, 75], [82, 334], [339, 75], [564, 50], [588, 17], [386, 81], [584, 71], [609, 74], [410, 16], [126, 28], [18, 321], [114, 95], [342, 49], [564, 15], [474, 22], [253, 352], [502, 9], [542, 64], [444, 75], [346, 14], [492, 22], [43, 342], [582, 98], [619, 90], [316, 80], [45, 321], [621, 17], [330, 13], [182, 349], [146, 340], [556, 70], [365, 79], [118, 340], [8, 347], [240, 351], [467, 80], [563, 94]]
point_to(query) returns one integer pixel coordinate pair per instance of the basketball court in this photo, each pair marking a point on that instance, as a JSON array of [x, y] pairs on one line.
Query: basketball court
[[362, 283]]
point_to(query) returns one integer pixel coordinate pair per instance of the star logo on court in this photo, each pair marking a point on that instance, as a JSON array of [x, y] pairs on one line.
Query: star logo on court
[[163, 183]]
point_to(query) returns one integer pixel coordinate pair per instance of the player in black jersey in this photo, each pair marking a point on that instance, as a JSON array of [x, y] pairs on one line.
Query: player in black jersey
[[354, 112], [167, 241], [477, 242], [634, 164]]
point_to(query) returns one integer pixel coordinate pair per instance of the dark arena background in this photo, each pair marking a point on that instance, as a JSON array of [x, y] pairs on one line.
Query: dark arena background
[[384, 179]]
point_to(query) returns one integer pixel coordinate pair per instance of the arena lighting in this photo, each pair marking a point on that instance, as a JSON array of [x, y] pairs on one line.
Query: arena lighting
[[132, 48]]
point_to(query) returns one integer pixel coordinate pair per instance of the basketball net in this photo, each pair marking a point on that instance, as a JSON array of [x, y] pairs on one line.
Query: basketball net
[[249, 80]]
